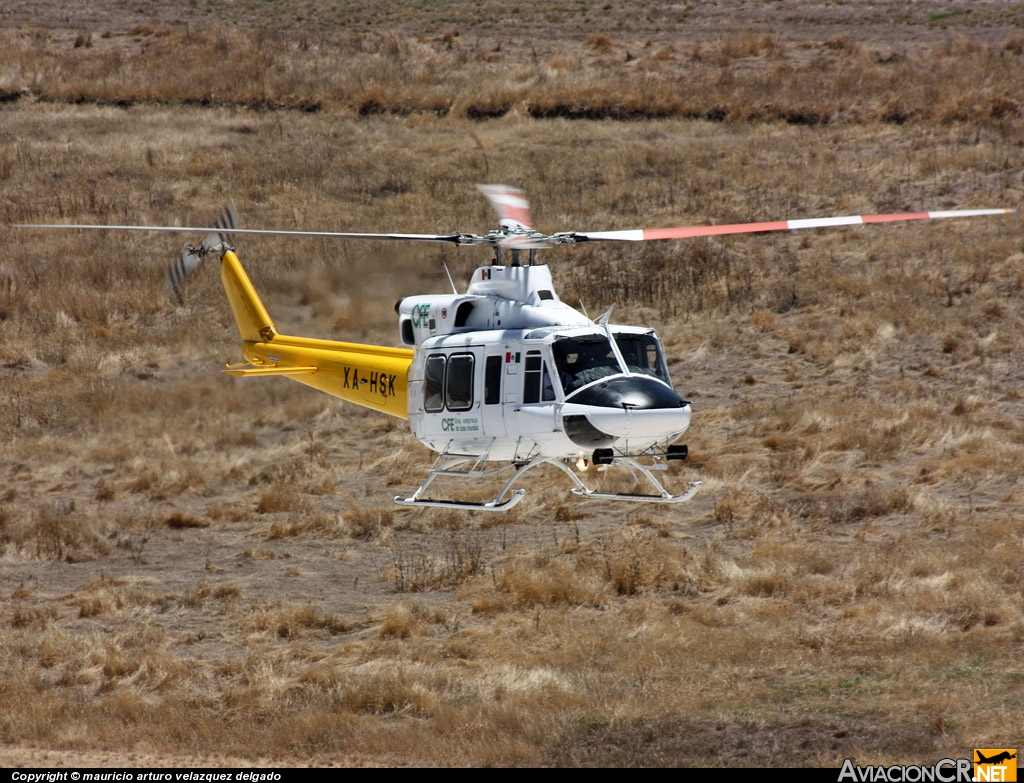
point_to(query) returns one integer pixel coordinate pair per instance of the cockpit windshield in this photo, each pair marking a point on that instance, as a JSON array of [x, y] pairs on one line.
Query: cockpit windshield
[[581, 360], [586, 358], [642, 353]]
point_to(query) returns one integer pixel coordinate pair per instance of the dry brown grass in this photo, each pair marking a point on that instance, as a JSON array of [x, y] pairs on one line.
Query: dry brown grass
[[836, 80], [195, 564]]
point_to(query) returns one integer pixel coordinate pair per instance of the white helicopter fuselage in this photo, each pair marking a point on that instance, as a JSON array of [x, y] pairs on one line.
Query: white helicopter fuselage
[[508, 372]]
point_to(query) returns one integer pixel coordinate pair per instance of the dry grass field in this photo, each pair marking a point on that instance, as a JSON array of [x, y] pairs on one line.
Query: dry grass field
[[201, 569]]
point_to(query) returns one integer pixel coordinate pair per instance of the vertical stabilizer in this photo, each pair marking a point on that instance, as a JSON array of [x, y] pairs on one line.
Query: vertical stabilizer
[[253, 321]]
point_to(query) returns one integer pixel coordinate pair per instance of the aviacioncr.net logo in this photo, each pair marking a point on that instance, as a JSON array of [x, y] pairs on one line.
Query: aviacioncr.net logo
[[944, 771], [995, 764]]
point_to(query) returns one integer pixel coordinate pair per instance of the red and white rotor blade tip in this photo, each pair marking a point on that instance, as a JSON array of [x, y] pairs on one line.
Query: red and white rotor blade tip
[[687, 232], [511, 205]]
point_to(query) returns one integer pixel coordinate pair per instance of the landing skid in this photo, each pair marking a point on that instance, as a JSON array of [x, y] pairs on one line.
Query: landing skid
[[455, 467], [663, 496], [452, 468]]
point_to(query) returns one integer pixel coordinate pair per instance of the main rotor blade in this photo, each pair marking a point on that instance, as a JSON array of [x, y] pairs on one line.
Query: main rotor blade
[[182, 229], [687, 232], [510, 203]]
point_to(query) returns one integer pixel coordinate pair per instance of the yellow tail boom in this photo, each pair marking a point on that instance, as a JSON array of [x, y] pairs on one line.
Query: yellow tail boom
[[373, 376]]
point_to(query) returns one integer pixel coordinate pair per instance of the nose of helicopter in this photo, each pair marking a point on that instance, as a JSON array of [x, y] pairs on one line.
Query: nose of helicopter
[[633, 406]]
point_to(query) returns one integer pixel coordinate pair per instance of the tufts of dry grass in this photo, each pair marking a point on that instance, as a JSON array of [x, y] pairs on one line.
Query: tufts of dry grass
[[390, 73], [291, 622]]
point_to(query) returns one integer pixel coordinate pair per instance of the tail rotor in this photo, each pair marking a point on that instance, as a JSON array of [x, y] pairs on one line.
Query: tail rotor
[[181, 268]]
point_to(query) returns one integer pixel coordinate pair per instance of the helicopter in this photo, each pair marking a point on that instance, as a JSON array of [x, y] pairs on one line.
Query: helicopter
[[505, 373]]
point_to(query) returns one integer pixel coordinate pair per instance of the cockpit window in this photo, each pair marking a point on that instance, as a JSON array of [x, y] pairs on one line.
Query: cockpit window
[[581, 360], [537, 385], [642, 353]]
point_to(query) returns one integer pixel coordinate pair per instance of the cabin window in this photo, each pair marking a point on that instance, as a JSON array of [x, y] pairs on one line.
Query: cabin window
[[492, 380], [433, 383], [459, 384], [643, 356]]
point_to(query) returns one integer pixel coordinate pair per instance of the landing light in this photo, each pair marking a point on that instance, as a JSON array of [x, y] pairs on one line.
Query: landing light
[[582, 464]]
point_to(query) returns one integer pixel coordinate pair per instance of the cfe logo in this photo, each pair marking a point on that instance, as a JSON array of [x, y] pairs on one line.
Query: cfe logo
[[420, 315], [995, 764]]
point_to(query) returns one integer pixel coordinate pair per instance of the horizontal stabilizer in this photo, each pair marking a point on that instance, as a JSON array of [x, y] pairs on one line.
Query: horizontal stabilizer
[[269, 370]]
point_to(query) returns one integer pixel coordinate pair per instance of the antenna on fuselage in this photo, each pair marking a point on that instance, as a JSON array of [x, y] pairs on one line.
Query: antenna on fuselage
[[454, 289]]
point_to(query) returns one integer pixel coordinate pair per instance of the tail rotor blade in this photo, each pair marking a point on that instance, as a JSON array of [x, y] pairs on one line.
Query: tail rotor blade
[[227, 219], [178, 271]]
